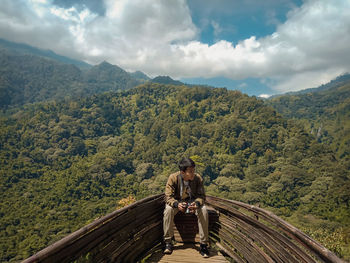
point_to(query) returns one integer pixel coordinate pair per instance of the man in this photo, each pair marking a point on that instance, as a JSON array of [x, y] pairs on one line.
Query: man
[[184, 192]]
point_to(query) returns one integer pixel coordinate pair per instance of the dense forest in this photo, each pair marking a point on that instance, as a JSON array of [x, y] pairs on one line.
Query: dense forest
[[325, 112], [64, 163], [27, 78]]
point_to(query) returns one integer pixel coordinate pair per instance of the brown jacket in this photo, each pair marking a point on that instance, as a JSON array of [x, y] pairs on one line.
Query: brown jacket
[[172, 190]]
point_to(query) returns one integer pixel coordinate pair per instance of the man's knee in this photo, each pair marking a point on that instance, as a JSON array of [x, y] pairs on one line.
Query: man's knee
[[203, 210], [169, 211]]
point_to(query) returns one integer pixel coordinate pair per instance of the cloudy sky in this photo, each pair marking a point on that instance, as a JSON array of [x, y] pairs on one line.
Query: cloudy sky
[[259, 47]]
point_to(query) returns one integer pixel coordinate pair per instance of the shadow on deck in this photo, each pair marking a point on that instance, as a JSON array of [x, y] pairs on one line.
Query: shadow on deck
[[240, 232], [186, 252]]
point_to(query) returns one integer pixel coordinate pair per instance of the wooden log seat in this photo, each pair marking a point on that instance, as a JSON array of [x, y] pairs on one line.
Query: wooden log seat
[[186, 226]]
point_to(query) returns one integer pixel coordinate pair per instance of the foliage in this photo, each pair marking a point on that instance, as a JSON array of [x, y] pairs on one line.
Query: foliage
[[63, 163], [126, 201], [330, 234], [324, 113], [27, 78]]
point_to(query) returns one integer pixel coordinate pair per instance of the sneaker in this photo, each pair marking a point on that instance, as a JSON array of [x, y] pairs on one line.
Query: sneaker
[[204, 250], [168, 248]]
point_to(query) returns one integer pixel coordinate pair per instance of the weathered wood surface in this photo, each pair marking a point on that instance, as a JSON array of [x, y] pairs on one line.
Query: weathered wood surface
[[240, 225], [242, 232], [122, 236], [188, 253], [186, 226]]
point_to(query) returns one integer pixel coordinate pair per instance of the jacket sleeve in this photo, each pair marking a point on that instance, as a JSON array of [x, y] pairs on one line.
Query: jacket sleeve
[[170, 192], [200, 195]]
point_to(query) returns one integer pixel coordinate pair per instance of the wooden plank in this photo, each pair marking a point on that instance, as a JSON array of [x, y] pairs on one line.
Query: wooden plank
[[137, 247], [311, 245], [231, 253], [49, 253], [272, 240], [128, 233], [246, 250], [58, 252], [119, 229], [187, 253], [186, 226], [121, 242], [252, 236], [247, 246]]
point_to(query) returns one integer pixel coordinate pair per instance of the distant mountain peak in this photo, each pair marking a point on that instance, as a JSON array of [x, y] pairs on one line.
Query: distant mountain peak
[[109, 69], [27, 49], [333, 84], [139, 75], [166, 80], [106, 65]]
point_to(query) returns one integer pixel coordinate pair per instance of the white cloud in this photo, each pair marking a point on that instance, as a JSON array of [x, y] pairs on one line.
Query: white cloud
[[265, 96], [308, 79], [309, 49], [159, 38], [139, 34]]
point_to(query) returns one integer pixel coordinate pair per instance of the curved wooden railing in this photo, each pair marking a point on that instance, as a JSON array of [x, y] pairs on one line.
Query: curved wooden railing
[[125, 235], [249, 233], [242, 232]]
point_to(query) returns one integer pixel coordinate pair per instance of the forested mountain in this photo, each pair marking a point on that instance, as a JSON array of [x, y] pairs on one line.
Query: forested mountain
[[335, 83], [65, 163], [166, 80], [20, 48], [28, 78], [139, 75], [325, 113], [108, 77]]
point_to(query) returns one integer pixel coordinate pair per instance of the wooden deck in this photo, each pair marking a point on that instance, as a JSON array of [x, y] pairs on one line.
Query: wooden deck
[[245, 233], [188, 253]]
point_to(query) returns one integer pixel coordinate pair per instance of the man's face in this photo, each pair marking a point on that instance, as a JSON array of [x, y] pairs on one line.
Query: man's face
[[189, 174]]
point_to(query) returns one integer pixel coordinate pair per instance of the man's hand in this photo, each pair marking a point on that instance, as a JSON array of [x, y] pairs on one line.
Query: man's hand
[[182, 207], [193, 207]]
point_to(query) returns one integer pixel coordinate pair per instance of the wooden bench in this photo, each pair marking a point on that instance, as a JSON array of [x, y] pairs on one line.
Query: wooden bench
[[186, 226]]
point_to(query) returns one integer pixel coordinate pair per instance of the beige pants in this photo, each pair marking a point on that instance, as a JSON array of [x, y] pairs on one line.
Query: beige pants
[[168, 223]]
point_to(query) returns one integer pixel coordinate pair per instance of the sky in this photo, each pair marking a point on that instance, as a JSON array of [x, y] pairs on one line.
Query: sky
[[259, 47]]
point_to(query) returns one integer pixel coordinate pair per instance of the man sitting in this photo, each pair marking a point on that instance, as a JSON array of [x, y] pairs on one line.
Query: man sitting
[[184, 192]]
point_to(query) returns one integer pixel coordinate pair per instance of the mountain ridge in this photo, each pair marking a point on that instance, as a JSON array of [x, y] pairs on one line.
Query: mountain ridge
[[130, 81], [166, 80], [324, 112], [140, 75], [334, 83], [27, 78], [27, 49]]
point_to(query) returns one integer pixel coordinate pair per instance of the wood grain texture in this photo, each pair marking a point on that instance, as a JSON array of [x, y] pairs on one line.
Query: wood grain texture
[[241, 232], [188, 253]]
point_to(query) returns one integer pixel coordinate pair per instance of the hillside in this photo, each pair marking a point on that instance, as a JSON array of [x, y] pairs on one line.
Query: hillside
[[28, 78], [139, 75], [166, 80], [108, 77], [63, 164], [325, 113], [20, 48], [333, 84]]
